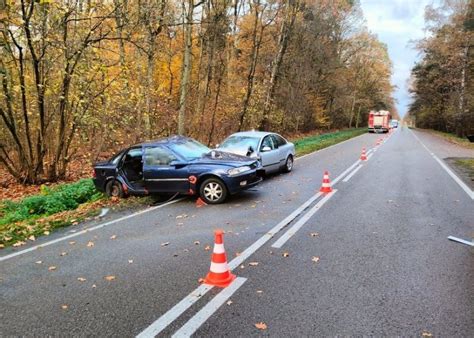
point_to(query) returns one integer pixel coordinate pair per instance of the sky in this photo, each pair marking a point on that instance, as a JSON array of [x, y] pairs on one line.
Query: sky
[[396, 23]]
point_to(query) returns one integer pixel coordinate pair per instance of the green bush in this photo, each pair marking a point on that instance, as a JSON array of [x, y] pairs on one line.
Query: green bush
[[49, 201], [317, 142]]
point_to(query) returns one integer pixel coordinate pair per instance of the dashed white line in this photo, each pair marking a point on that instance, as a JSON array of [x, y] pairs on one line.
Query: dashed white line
[[468, 191], [348, 177], [209, 309], [290, 232], [57, 240]]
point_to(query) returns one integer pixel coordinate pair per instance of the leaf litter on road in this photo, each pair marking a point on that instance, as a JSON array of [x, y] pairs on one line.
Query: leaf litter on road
[[51, 268], [90, 244], [261, 326], [253, 263], [315, 259], [165, 244], [109, 278], [81, 279]]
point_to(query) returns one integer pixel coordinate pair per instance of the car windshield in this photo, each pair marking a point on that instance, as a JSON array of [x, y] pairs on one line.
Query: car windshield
[[240, 142], [189, 150]]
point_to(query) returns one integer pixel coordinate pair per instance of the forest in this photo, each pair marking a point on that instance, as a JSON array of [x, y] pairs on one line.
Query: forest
[[84, 78], [443, 81]]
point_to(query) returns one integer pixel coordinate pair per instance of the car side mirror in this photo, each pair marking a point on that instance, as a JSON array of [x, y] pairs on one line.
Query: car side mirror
[[266, 148]]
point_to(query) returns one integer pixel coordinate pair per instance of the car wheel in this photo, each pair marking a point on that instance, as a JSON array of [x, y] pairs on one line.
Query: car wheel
[[114, 189], [213, 191], [288, 164]]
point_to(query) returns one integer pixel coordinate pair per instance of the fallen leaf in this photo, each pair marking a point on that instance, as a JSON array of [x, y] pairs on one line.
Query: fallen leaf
[[39, 262], [81, 279], [94, 286], [72, 242], [130, 261], [426, 334], [315, 259], [229, 302], [201, 280], [237, 254], [63, 254], [261, 326], [2, 246], [242, 266], [314, 234], [253, 263], [286, 254], [32, 238], [90, 244], [19, 243], [259, 291], [207, 248], [109, 278], [197, 242], [165, 244], [46, 233], [51, 268], [113, 237], [64, 307]]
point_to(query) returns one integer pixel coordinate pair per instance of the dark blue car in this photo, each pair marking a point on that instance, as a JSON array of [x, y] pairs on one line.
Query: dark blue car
[[176, 165]]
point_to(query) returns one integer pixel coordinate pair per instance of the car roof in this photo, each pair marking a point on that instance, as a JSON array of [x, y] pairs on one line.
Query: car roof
[[163, 141], [254, 133]]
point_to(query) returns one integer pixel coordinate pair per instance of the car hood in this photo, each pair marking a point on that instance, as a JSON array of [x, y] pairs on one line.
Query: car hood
[[234, 150], [224, 158]]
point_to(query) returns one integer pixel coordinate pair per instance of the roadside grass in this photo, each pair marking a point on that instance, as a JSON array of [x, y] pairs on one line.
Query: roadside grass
[[452, 138], [468, 165], [309, 144], [63, 205], [71, 203]]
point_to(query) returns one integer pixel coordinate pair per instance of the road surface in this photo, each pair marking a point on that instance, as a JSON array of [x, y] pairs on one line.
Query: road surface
[[371, 258]]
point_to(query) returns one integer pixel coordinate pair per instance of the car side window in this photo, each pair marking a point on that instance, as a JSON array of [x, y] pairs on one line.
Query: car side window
[[280, 140], [276, 141], [267, 142], [155, 156]]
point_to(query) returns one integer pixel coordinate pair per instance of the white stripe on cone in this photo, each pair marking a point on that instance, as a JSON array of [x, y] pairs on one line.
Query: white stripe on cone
[[219, 248], [219, 267]]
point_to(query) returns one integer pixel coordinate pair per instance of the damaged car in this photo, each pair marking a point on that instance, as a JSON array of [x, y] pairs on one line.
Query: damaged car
[[176, 164]]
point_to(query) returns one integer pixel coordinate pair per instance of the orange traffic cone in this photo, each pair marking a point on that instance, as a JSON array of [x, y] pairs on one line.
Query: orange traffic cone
[[363, 156], [200, 203], [219, 273], [326, 186]]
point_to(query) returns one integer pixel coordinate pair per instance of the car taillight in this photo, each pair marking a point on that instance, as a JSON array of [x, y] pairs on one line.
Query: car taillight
[[93, 173]]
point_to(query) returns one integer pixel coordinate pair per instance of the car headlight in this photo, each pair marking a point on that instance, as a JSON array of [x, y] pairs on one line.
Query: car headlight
[[239, 170]]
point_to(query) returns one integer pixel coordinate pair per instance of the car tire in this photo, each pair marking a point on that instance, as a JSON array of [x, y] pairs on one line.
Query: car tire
[[113, 188], [288, 164], [213, 191]]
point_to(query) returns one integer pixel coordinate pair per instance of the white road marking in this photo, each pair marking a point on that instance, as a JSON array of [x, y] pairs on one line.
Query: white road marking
[[302, 221], [334, 145], [60, 239], [169, 317], [209, 309], [460, 240], [369, 156], [348, 177], [468, 191]]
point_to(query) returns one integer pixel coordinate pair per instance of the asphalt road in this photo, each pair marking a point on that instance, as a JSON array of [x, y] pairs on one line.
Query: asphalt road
[[385, 265]]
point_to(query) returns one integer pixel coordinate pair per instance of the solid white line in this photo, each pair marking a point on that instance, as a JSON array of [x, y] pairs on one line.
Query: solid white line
[[57, 240], [302, 221], [460, 240], [468, 191], [345, 172], [165, 320], [369, 156], [209, 309], [348, 177], [334, 145]]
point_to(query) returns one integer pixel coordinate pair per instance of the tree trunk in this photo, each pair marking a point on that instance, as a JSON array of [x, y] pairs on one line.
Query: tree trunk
[[186, 73]]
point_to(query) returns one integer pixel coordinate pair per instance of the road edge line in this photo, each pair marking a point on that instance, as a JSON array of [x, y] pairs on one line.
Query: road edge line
[[99, 226], [348, 177]]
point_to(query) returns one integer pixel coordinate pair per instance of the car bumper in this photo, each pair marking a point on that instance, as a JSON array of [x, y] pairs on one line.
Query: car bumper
[[243, 182]]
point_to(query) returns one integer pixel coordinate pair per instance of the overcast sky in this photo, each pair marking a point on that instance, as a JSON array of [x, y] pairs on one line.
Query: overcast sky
[[397, 22]]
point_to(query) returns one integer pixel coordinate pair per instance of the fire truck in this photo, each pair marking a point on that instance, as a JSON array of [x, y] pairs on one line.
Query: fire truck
[[379, 121]]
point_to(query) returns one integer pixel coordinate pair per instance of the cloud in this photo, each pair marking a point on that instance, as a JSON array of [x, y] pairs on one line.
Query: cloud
[[397, 23]]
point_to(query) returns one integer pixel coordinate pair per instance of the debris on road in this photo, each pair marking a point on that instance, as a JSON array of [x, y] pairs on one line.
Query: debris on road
[[109, 278], [261, 326]]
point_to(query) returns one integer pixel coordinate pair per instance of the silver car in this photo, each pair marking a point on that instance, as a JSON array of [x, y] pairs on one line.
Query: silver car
[[273, 150]]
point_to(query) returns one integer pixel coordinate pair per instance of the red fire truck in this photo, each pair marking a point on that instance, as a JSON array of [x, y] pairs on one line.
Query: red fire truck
[[379, 121]]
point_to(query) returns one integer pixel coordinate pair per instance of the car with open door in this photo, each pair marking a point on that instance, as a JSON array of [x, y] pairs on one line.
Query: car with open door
[[274, 152], [176, 164]]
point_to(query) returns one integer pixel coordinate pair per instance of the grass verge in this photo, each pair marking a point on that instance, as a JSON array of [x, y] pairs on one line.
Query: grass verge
[[468, 165], [309, 144]]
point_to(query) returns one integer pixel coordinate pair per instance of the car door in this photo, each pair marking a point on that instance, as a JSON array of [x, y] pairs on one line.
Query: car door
[[269, 154], [159, 173], [280, 148]]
